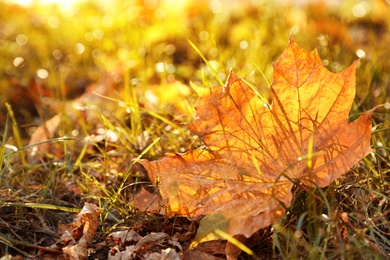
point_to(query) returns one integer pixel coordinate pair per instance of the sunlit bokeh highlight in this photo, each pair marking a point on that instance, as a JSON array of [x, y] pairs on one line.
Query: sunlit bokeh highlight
[[71, 41], [28, 3]]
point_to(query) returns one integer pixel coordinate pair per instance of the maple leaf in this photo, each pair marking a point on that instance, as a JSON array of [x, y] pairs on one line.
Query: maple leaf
[[257, 150]]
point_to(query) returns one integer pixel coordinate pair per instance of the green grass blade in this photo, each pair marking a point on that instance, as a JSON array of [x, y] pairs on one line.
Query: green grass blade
[[38, 206], [262, 73], [235, 242], [16, 133], [207, 62]]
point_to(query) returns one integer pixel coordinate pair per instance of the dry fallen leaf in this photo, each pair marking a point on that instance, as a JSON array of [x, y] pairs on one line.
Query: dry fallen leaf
[[257, 150], [147, 247], [82, 231], [41, 136]]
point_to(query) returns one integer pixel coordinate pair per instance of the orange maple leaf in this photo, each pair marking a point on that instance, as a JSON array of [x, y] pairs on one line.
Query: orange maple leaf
[[257, 150]]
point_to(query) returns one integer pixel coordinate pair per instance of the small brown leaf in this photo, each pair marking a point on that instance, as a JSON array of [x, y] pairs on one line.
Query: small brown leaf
[[124, 237], [87, 220], [40, 139]]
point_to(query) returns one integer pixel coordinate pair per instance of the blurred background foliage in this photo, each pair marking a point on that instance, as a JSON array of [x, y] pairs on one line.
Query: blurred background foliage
[[53, 52]]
